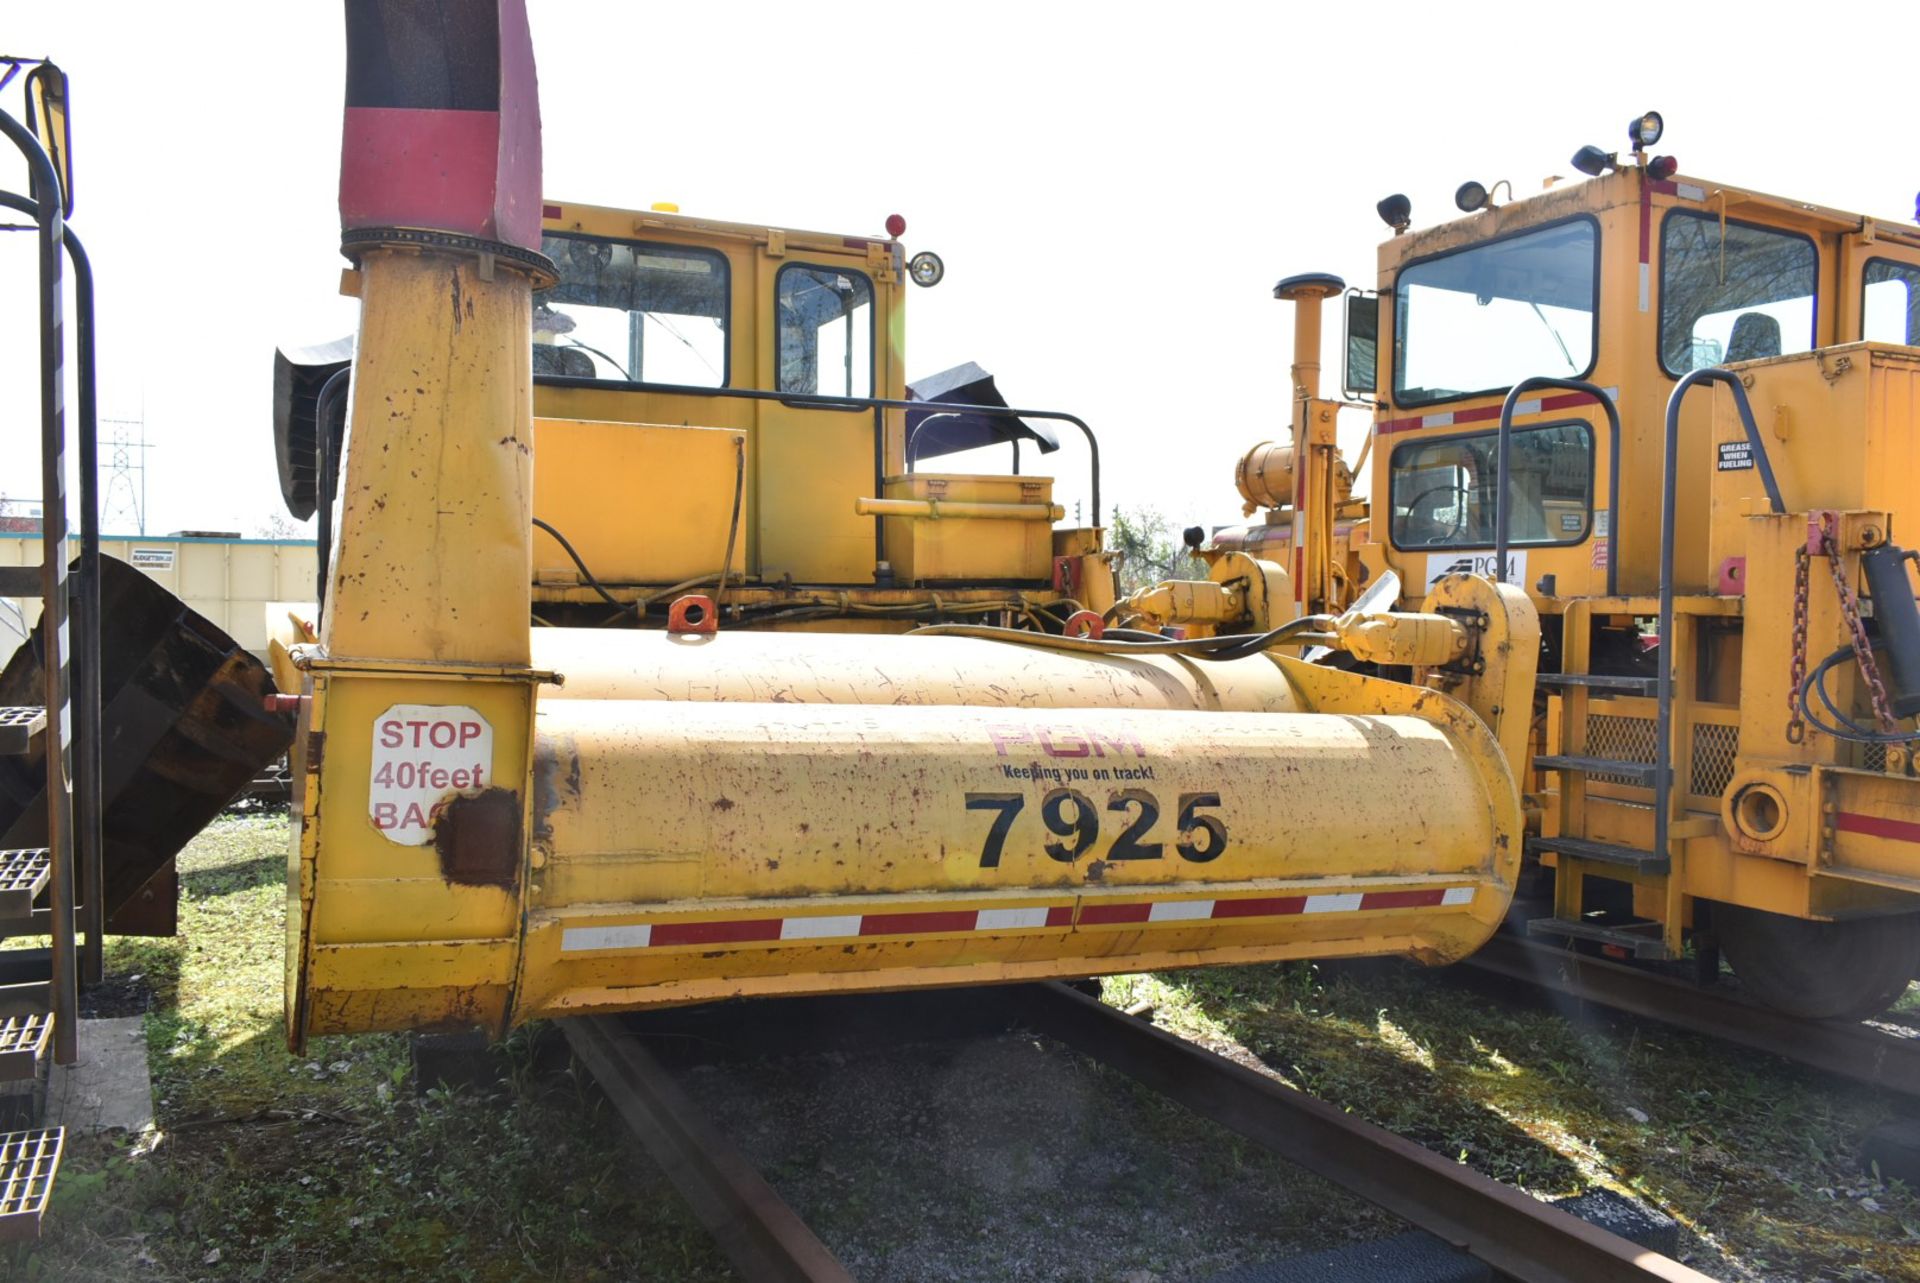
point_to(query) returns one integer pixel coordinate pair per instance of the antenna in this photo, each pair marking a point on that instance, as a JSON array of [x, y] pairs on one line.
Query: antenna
[[123, 498]]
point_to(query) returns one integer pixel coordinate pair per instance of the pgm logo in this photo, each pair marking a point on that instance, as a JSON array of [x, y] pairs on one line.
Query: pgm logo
[[1442, 564]]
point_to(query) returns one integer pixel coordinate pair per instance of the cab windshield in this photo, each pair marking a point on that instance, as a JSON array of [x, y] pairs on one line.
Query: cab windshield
[[1480, 319], [626, 312]]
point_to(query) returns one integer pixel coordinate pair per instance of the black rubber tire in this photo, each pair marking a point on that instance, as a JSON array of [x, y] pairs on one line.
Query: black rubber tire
[[1847, 970]]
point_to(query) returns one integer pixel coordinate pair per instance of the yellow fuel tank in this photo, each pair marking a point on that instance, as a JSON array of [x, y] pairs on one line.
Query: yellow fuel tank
[[830, 668], [764, 814]]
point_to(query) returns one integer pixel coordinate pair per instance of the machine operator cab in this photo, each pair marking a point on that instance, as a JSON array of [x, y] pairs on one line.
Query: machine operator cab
[[1722, 733], [722, 410], [706, 390], [1627, 282]]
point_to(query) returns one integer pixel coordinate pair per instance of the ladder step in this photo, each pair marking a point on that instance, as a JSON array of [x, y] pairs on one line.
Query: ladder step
[[26, 1023], [1603, 683], [28, 1161], [1641, 773], [1603, 853], [18, 726], [23, 1039], [1642, 939], [22, 876]]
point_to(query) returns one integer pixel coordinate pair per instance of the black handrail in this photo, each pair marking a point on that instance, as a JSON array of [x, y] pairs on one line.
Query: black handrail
[[87, 769], [808, 400], [324, 467], [1663, 715], [1503, 517], [53, 586]]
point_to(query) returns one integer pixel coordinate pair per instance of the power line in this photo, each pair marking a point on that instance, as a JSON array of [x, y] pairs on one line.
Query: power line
[[124, 494]]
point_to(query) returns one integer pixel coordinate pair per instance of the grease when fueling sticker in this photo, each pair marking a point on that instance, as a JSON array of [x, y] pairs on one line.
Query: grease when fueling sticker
[[424, 755]]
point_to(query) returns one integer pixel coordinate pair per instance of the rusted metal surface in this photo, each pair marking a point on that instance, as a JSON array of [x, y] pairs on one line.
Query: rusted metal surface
[[1517, 1235], [478, 839], [689, 850], [759, 1233], [1849, 1048]]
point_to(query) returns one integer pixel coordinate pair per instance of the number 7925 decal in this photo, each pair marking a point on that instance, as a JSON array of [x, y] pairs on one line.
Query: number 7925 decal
[[1073, 824]]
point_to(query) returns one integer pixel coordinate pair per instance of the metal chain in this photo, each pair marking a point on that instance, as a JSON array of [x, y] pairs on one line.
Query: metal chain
[[1850, 611], [1796, 724]]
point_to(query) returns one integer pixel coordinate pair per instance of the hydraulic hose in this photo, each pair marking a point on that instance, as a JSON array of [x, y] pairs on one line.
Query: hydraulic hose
[[1217, 648], [1846, 728]]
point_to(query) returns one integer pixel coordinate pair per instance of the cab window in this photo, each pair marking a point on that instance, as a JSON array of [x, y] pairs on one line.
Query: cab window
[[1891, 310], [1738, 297], [626, 312], [1480, 319], [1443, 491], [826, 330]]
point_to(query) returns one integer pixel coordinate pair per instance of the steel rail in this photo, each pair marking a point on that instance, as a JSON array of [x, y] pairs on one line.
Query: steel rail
[[1848, 1048], [1514, 1233], [759, 1233]]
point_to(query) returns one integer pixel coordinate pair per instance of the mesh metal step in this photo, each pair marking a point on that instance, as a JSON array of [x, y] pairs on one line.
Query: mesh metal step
[[18, 726], [1626, 857], [1603, 683], [22, 875], [28, 1161], [1641, 939], [1640, 773], [23, 1040]]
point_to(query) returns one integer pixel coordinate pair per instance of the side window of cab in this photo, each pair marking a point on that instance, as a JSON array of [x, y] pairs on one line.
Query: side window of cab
[[1890, 307], [825, 321]]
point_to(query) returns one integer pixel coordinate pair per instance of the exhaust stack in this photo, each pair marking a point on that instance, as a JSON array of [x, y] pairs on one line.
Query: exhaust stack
[[440, 214]]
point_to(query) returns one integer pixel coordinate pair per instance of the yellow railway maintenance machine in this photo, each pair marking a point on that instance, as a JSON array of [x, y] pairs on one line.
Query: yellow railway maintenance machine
[[1686, 419], [607, 705]]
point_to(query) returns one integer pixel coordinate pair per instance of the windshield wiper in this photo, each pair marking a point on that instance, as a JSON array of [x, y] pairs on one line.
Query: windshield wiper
[[1564, 354]]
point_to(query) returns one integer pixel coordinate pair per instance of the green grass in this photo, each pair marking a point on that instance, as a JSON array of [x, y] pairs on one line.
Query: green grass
[[1754, 1155], [329, 1165]]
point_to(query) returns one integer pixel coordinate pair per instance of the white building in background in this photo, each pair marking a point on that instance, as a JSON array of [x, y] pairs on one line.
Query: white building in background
[[228, 579]]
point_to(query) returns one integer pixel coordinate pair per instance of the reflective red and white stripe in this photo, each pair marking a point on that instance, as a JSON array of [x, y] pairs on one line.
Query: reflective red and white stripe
[[1491, 413], [849, 926], [1877, 826]]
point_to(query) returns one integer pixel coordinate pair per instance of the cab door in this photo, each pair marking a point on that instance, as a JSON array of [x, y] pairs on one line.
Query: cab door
[[820, 330]]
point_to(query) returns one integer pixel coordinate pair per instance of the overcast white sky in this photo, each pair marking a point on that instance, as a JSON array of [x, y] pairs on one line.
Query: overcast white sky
[[1114, 187]]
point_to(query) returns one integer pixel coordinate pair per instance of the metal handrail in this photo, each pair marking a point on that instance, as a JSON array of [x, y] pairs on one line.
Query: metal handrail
[[53, 585], [813, 401], [1502, 515], [1663, 716], [88, 772]]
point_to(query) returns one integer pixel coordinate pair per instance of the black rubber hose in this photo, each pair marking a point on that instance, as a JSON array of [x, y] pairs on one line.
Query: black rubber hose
[[621, 606]]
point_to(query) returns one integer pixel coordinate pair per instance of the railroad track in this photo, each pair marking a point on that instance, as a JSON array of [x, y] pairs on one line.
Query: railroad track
[[1865, 1052], [1518, 1236]]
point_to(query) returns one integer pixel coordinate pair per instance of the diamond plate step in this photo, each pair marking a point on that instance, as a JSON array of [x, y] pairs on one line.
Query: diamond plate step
[[1641, 939], [22, 875], [28, 1162], [1625, 857], [18, 726]]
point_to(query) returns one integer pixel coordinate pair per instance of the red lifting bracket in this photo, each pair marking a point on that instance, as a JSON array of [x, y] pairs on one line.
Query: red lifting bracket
[[1084, 623], [693, 613]]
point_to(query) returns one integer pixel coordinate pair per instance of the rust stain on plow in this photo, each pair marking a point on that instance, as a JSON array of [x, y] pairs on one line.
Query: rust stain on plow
[[478, 839]]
